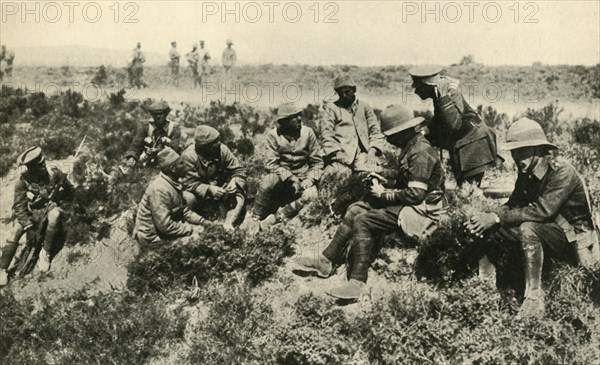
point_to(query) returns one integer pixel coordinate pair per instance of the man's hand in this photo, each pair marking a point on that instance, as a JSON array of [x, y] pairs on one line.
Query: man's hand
[[297, 186], [372, 157], [152, 151], [216, 192], [481, 222], [377, 189], [231, 187], [376, 176], [130, 162], [165, 140], [306, 184]]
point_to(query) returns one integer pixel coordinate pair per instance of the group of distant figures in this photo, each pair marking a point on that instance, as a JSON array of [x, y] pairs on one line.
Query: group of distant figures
[[7, 57], [198, 61]]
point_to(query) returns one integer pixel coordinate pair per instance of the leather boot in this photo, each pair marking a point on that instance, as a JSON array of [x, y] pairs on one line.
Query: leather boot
[[353, 289], [8, 252], [335, 251], [320, 265], [3, 277], [533, 305], [361, 258]]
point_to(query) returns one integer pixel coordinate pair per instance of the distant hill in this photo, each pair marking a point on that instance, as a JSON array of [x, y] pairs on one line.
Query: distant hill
[[81, 56]]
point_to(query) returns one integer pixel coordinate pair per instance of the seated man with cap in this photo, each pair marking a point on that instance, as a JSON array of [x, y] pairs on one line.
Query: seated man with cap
[[294, 164], [548, 214], [213, 175], [410, 200], [39, 192], [351, 134], [455, 126], [162, 213], [153, 135]]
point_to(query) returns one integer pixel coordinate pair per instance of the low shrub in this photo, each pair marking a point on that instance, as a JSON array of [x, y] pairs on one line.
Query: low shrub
[[215, 254], [587, 132]]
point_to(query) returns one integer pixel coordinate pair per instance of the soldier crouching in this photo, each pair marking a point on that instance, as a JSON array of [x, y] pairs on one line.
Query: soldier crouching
[[214, 176], [548, 213], [294, 163], [39, 192]]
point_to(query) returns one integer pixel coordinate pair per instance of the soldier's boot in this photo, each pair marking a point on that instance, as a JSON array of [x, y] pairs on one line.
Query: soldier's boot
[[336, 249], [353, 289], [8, 252], [487, 271], [290, 210], [232, 218], [49, 241], [319, 265], [3, 277], [533, 305]]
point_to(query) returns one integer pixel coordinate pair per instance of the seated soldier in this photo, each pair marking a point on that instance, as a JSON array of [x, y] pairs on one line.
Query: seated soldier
[[162, 213], [351, 133], [547, 212], [214, 175], [39, 192], [294, 164], [413, 203], [153, 135]]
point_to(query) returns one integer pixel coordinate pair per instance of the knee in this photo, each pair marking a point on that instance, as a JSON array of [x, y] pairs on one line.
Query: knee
[[360, 223], [310, 194], [528, 229], [268, 183], [189, 199], [54, 216]]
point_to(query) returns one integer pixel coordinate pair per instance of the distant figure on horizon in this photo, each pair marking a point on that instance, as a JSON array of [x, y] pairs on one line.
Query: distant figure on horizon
[[8, 56], [229, 58], [174, 57], [136, 67], [204, 57], [193, 58]]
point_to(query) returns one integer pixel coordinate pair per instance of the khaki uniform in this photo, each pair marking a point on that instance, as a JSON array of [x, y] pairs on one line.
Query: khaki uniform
[[136, 68], [162, 213], [413, 202], [148, 136], [349, 133], [288, 158], [456, 127], [34, 197]]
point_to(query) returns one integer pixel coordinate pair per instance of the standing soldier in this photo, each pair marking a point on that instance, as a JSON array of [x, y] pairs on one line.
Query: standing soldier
[[39, 192], [204, 57], [174, 57], [193, 59], [8, 55], [294, 166], [153, 135], [548, 214], [136, 67], [229, 58], [214, 175], [413, 202], [351, 135], [455, 126], [162, 213]]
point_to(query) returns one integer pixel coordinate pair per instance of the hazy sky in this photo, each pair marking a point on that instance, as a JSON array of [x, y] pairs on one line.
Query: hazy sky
[[364, 32]]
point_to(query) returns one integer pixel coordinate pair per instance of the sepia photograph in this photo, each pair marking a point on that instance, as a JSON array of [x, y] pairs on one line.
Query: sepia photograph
[[345, 182]]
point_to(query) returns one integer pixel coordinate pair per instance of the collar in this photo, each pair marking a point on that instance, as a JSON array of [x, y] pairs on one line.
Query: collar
[[174, 183], [539, 170], [411, 143]]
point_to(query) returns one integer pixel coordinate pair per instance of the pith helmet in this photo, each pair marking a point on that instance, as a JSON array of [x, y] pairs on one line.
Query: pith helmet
[[396, 118], [166, 157], [286, 110], [158, 107], [32, 155], [526, 133], [205, 134], [427, 74], [344, 80], [228, 41]]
